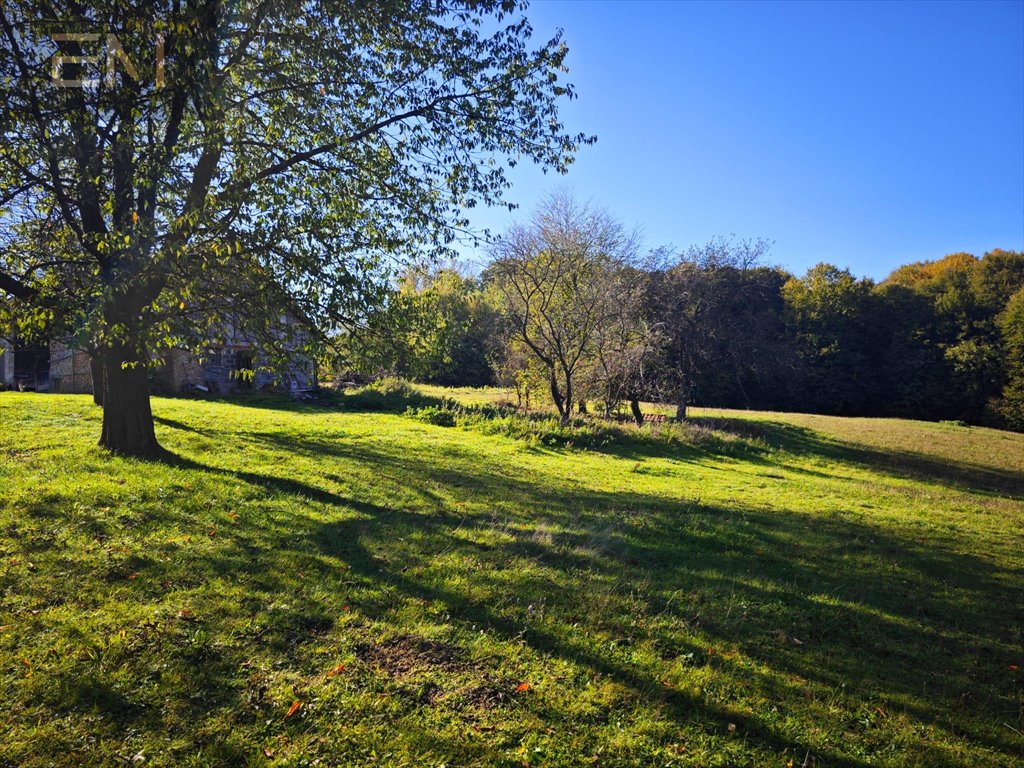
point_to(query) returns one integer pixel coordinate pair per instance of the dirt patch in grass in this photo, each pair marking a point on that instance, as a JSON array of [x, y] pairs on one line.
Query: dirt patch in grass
[[406, 655], [492, 694], [408, 659]]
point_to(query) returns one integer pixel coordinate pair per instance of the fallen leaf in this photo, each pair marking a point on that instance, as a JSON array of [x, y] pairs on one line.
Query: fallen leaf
[[186, 615], [133, 576], [881, 712], [28, 667], [732, 727], [233, 515], [5, 627], [523, 687], [268, 752], [295, 707], [336, 670]]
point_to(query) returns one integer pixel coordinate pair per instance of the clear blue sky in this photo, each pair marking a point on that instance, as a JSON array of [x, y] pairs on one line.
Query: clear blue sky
[[864, 134]]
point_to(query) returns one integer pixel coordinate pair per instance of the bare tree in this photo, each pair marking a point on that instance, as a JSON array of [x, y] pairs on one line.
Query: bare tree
[[624, 346], [555, 274]]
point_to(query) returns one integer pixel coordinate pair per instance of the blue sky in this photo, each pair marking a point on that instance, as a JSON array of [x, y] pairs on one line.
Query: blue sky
[[864, 134]]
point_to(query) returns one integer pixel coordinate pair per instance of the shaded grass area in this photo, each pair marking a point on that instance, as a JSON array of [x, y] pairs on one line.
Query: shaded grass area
[[750, 593]]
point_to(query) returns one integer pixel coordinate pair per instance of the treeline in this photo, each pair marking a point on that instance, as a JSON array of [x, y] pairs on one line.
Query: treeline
[[568, 313]]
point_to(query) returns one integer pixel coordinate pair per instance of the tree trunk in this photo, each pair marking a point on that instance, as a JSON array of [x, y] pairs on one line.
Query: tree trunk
[[557, 397], [567, 412], [96, 366], [582, 405], [127, 418], [681, 409], [638, 416]]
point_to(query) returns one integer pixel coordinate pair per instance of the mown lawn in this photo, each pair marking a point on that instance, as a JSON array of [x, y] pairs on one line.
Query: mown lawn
[[300, 585]]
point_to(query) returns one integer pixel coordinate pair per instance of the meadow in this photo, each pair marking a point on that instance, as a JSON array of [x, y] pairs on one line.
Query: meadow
[[321, 584]]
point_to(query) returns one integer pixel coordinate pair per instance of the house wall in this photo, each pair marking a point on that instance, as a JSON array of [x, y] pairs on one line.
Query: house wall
[[220, 365], [70, 370], [181, 372], [6, 365]]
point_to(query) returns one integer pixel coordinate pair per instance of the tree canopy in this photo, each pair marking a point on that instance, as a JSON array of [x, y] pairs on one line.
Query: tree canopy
[[715, 325], [170, 167]]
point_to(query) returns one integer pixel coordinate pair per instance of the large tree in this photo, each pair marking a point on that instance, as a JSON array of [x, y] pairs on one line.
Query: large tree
[[168, 169]]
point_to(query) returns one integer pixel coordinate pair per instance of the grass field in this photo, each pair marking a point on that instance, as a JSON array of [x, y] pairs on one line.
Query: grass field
[[311, 586]]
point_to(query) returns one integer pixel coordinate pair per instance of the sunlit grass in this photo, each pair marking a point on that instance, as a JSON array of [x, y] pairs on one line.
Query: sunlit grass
[[797, 588]]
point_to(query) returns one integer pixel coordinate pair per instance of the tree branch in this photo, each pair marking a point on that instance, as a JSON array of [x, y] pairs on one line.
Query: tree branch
[[16, 288]]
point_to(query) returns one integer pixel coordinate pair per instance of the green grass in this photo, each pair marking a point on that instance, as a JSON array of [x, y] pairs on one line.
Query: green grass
[[754, 590], [470, 395]]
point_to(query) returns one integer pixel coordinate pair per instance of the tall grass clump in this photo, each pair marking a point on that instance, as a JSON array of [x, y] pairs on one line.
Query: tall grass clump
[[389, 394], [583, 432]]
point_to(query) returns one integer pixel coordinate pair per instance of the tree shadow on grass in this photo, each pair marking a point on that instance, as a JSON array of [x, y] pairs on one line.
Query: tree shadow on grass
[[802, 441], [174, 424], [888, 617], [759, 439]]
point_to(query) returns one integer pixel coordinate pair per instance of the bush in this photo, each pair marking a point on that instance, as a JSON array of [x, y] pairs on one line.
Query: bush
[[581, 433], [388, 394], [438, 415]]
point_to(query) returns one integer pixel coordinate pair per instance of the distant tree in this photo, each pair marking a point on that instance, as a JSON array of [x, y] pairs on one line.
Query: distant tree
[[997, 277], [516, 368], [700, 302], [273, 162], [965, 295], [1009, 407], [911, 369], [462, 319], [434, 327], [555, 274], [919, 274], [623, 361], [751, 362], [829, 313]]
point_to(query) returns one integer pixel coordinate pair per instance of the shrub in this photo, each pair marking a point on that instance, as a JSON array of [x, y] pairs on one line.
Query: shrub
[[581, 433], [438, 415], [388, 394]]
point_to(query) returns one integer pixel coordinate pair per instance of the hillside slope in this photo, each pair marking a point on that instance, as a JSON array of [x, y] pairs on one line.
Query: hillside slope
[[304, 586]]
